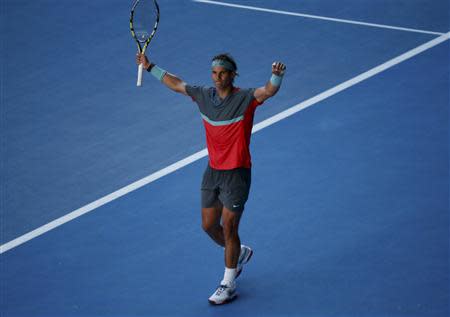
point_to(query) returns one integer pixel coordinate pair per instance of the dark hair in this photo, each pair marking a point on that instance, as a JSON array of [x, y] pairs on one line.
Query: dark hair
[[226, 57]]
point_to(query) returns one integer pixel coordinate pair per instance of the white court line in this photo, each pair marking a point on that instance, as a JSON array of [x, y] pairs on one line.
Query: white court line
[[310, 16], [197, 156]]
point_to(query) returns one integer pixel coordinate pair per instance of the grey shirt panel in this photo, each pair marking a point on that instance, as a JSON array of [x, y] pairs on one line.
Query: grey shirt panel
[[216, 109]]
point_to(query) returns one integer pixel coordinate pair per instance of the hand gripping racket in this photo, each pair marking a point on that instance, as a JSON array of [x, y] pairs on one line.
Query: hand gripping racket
[[144, 15]]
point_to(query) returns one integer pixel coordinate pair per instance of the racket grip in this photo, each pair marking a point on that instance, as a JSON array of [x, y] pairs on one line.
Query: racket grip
[[139, 78]]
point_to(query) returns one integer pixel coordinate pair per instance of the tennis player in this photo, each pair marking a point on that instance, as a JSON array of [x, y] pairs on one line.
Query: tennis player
[[227, 113]]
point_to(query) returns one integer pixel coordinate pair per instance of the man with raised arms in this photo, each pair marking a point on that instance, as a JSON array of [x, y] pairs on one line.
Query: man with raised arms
[[227, 113]]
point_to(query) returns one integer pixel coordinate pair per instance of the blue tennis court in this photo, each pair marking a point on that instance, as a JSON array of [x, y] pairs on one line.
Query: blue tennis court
[[349, 208]]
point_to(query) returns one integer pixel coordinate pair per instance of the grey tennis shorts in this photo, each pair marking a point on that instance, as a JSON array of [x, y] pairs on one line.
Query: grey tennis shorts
[[230, 187]]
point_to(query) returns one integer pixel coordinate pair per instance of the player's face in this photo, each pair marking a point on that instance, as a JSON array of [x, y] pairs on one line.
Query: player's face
[[222, 77]]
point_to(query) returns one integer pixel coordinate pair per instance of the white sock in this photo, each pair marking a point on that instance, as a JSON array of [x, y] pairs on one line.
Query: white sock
[[229, 276]]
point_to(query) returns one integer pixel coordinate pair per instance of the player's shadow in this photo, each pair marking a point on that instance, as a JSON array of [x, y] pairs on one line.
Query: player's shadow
[[345, 286]]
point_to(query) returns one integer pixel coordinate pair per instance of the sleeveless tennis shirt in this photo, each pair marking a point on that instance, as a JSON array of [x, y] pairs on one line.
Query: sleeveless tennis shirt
[[228, 125]]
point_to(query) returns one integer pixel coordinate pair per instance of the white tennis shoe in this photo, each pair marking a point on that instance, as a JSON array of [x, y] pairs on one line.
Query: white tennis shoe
[[224, 294], [244, 257]]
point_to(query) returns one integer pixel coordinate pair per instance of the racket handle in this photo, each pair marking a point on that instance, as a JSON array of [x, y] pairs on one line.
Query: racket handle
[[139, 78]]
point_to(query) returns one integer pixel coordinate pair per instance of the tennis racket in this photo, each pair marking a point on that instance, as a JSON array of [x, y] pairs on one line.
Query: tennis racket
[[144, 20]]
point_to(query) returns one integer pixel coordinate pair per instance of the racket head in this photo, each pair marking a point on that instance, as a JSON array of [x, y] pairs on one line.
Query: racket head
[[144, 20]]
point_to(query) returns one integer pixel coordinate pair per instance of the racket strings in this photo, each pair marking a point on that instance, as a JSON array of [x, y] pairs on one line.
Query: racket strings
[[145, 17]]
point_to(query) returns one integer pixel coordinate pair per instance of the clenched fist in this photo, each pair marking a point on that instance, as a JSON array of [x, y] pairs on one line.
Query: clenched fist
[[142, 59]]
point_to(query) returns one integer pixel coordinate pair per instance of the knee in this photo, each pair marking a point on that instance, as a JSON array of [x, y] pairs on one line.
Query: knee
[[208, 226], [230, 230]]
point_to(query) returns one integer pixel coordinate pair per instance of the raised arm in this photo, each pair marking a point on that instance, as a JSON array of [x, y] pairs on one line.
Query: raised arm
[[273, 85], [171, 81]]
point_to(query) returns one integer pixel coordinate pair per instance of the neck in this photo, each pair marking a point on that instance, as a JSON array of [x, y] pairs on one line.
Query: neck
[[223, 92]]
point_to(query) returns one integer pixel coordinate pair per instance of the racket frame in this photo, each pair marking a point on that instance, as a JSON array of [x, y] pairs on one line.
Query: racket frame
[[142, 48]]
